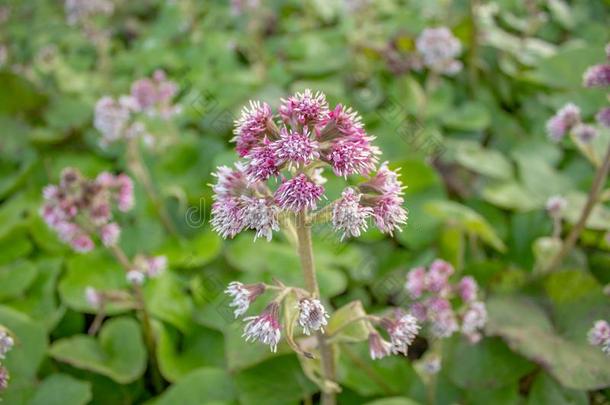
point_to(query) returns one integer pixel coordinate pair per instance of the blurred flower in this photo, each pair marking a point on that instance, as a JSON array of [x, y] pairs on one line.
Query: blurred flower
[[597, 76], [599, 335], [439, 48], [442, 318], [243, 295], [555, 205], [312, 315], [403, 329], [563, 121], [112, 118], [110, 234], [265, 327], [148, 266], [378, 346], [473, 321], [349, 216], [4, 378], [154, 95], [135, 277], [437, 279], [603, 117], [467, 289], [93, 297], [416, 282], [586, 133], [6, 343]]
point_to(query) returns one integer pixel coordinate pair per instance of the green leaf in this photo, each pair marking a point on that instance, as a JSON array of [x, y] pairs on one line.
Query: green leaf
[[193, 253], [166, 299], [471, 221], [545, 390], [393, 401], [119, 352], [528, 331], [510, 195], [348, 324], [200, 387], [471, 116], [481, 160], [62, 389], [16, 278]]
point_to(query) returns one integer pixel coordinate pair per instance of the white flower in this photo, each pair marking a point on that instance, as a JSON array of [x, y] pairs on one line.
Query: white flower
[[265, 327], [243, 295], [312, 315]]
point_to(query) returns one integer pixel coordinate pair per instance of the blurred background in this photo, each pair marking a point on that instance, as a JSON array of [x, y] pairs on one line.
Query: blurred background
[[471, 146]]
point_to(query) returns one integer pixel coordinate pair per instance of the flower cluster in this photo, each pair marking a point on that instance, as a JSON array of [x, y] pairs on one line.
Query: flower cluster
[[563, 121], [433, 294], [402, 329], [266, 327], [599, 335], [438, 49], [78, 208], [78, 11], [146, 266], [6, 344], [293, 149], [119, 118]]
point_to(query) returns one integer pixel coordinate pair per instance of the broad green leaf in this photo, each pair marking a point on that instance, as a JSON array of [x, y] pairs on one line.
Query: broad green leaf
[[193, 253], [347, 324], [16, 278], [545, 390], [471, 116], [62, 389], [471, 221], [481, 160], [393, 401], [200, 387], [166, 299], [510, 195], [528, 331], [118, 353]]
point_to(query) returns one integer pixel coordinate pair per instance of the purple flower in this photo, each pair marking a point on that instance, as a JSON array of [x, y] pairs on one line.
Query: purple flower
[[230, 183], [295, 148], [110, 234], [243, 295], [112, 118], [265, 327], [439, 48], [563, 121], [6, 343], [416, 282], [599, 335], [389, 214], [304, 108], [251, 126], [298, 193], [586, 133], [125, 197], [555, 205], [154, 96], [473, 321], [603, 117], [261, 215], [437, 279], [467, 289], [378, 346], [155, 266], [402, 330], [442, 318], [82, 243], [312, 315], [4, 378], [597, 76], [349, 216], [228, 217], [93, 297], [261, 163]]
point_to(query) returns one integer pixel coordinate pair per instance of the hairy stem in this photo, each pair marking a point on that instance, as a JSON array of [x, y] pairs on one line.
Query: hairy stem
[[147, 330], [140, 172], [305, 251], [592, 199]]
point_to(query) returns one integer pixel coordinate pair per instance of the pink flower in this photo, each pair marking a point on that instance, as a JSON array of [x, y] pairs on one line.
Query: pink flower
[[349, 217], [228, 217], [93, 297], [110, 234], [439, 48], [261, 215], [603, 117], [599, 335], [82, 243], [597, 76], [243, 295], [555, 205], [563, 121], [111, 118], [352, 156], [312, 315], [586, 133], [473, 321], [125, 198], [442, 318], [295, 148], [304, 108], [389, 214], [467, 289], [416, 282], [261, 163], [402, 330], [378, 346], [251, 126], [438, 276], [154, 96], [298, 193], [156, 265], [265, 327], [230, 183]]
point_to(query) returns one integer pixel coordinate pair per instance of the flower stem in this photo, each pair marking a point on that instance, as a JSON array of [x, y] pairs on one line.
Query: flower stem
[[592, 199], [140, 171], [305, 251], [147, 330]]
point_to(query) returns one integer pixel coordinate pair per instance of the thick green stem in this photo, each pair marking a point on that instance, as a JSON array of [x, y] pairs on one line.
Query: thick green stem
[[139, 170], [305, 251], [592, 199]]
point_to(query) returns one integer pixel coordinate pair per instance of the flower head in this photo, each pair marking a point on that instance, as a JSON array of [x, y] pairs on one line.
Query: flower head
[[416, 282], [304, 108], [467, 289], [93, 297], [402, 330], [563, 121], [261, 162], [555, 205], [265, 327], [295, 148], [597, 76], [298, 193], [473, 321], [439, 48], [312, 315], [243, 295], [603, 117], [599, 335], [6, 343], [349, 216], [378, 346], [251, 126], [586, 133], [4, 378], [154, 95], [261, 215], [110, 234]]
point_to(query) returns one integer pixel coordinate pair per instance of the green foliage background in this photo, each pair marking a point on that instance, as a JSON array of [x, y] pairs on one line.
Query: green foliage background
[[473, 153]]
